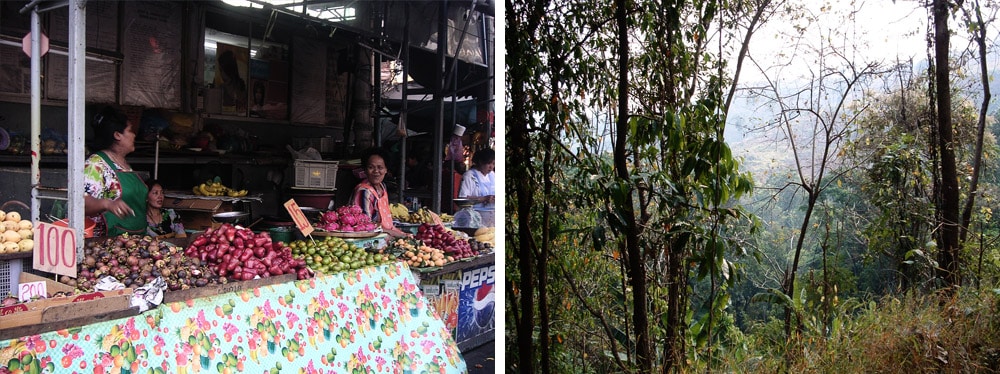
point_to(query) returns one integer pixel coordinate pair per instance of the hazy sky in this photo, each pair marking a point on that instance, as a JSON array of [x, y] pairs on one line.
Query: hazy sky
[[884, 31]]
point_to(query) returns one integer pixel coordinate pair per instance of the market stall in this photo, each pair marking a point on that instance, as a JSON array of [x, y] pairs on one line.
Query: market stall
[[220, 150], [368, 320]]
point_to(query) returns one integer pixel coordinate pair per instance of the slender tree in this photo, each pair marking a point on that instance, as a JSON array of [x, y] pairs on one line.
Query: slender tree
[[977, 25], [522, 26], [948, 244]]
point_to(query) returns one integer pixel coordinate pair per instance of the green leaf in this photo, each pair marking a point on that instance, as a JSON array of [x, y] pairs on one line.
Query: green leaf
[[772, 296]]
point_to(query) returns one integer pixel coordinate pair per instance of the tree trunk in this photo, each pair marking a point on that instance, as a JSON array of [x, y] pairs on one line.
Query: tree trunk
[[636, 265], [979, 35], [813, 195], [518, 154], [676, 310], [552, 123], [948, 255], [523, 250]]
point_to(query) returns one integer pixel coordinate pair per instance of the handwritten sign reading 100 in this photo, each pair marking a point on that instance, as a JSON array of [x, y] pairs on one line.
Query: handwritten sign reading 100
[[55, 249]]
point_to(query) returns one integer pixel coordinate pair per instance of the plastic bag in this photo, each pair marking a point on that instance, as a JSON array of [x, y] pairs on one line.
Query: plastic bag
[[468, 217], [309, 154]]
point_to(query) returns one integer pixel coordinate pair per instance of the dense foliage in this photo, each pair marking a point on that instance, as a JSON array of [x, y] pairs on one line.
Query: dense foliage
[[634, 243]]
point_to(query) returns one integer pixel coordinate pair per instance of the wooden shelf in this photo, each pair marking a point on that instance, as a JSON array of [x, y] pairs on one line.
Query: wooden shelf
[[264, 121], [166, 158], [14, 256]]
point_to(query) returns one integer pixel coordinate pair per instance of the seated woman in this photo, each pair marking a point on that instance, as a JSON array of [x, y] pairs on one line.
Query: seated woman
[[371, 194], [161, 221]]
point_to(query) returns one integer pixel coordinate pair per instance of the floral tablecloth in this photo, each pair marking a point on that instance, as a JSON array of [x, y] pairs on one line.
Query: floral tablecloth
[[373, 320]]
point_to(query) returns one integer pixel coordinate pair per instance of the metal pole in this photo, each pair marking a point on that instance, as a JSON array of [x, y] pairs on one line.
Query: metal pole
[[36, 110], [404, 92], [76, 114], [439, 87], [453, 78]]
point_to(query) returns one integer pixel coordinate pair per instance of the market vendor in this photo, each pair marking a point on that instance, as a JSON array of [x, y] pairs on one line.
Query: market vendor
[[161, 221], [115, 196], [371, 194], [478, 185]]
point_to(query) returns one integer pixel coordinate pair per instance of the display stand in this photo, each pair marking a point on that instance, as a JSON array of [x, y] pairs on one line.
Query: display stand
[[371, 320], [462, 292]]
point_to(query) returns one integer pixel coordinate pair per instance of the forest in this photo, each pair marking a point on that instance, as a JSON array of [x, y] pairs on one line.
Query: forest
[[752, 186]]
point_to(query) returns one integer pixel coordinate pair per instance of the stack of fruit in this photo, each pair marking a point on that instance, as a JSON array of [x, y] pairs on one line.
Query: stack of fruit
[[332, 255], [418, 255], [214, 187], [137, 260], [438, 237], [240, 254], [15, 233], [346, 218], [485, 235], [400, 212]]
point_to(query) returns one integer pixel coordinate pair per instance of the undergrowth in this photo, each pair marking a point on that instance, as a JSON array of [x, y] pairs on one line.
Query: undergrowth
[[909, 334]]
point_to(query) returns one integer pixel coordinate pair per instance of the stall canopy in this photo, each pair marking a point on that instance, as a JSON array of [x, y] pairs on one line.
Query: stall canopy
[[420, 107]]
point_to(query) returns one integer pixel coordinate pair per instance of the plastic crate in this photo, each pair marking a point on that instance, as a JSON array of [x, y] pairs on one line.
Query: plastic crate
[[317, 175], [10, 273]]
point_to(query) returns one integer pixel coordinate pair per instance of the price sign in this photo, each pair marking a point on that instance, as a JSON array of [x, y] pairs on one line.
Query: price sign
[[301, 222], [55, 249], [26, 291]]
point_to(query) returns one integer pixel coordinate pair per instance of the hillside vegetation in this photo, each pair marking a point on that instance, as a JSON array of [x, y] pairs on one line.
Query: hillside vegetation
[[850, 229], [908, 334]]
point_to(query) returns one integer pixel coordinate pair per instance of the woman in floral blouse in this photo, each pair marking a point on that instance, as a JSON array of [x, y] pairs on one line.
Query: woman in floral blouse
[[114, 195]]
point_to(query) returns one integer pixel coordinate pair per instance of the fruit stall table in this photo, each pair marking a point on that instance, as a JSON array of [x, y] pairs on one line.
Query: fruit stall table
[[371, 242], [462, 292], [374, 319]]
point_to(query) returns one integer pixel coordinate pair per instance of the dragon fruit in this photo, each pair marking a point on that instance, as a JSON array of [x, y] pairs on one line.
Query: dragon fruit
[[347, 218], [330, 216]]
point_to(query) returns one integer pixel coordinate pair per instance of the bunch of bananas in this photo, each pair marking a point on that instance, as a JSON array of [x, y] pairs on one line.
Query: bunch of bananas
[[423, 216], [399, 212], [214, 188], [402, 214]]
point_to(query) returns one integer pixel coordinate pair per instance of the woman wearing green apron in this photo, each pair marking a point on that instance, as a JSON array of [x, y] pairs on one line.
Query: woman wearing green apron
[[115, 196]]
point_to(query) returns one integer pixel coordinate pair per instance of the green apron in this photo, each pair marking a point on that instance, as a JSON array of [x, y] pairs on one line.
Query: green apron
[[134, 195]]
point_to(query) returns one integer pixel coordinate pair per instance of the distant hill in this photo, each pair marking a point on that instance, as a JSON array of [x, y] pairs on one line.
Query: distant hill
[[763, 154]]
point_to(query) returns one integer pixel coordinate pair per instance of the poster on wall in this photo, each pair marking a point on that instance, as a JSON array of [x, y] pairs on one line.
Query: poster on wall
[[475, 307], [15, 71], [269, 89], [309, 73], [232, 65], [152, 47], [102, 34], [102, 25], [101, 78]]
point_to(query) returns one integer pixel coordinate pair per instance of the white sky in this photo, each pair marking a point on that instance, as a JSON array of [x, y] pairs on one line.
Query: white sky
[[889, 29]]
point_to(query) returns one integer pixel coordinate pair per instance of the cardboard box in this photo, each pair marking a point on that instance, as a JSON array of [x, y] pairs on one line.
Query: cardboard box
[[197, 220], [203, 205], [62, 308], [196, 214]]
